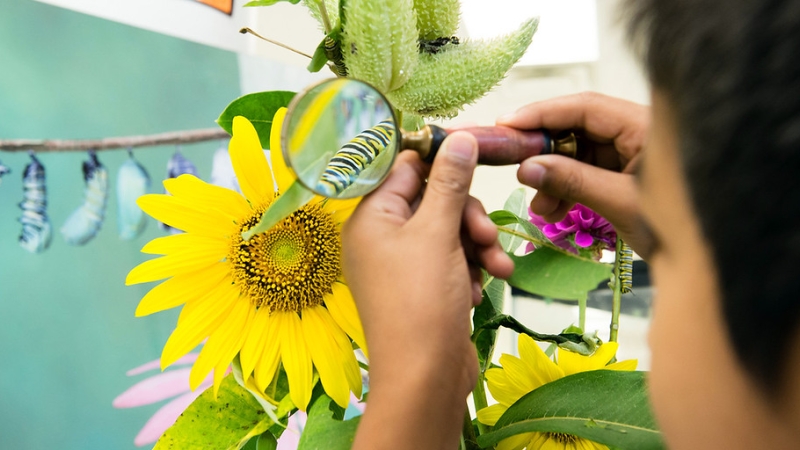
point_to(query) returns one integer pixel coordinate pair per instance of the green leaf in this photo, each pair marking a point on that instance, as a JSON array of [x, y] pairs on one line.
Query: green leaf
[[490, 307], [605, 406], [226, 422], [318, 59], [258, 108], [557, 274], [323, 431], [582, 343], [503, 217], [266, 442], [269, 2], [516, 205]]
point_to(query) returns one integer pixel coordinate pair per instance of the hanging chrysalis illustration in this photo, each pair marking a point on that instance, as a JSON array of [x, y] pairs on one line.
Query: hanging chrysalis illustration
[[36, 230], [3, 171], [84, 223], [132, 182], [222, 173], [177, 166]]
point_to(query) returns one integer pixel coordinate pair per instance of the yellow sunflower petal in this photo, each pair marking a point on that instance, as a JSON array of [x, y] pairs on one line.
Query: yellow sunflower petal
[[174, 264], [185, 215], [502, 390], [224, 342], [219, 374], [544, 368], [249, 163], [514, 442], [519, 373], [324, 351], [295, 357], [252, 347], [572, 362], [627, 365], [181, 289], [184, 241], [490, 415], [270, 355], [283, 176], [206, 315], [193, 189], [343, 310], [347, 357]]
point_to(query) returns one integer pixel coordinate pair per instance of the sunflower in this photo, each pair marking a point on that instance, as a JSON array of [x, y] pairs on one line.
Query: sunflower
[[519, 376], [277, 299]]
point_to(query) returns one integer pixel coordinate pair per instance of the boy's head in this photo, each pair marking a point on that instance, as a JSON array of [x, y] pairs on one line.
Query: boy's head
[[721, 191]]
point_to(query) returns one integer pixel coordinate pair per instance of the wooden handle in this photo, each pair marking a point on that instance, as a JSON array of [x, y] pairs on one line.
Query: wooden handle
[[500, 146]]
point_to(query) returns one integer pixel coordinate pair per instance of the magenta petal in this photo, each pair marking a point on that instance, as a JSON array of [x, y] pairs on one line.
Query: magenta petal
[[152, 365], [165, 417], [154, 389], [583, 239]]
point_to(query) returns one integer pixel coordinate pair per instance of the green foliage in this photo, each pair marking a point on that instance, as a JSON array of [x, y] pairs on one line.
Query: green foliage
[[572, 339], [517, 206], [503, 218], [226, 422], [605, 406], [437, 18], [490, 307], [319, 59], [258, 108], [269, 2], [266, 442], [460, 74], [380, 42], [557, 274], [325, 429]]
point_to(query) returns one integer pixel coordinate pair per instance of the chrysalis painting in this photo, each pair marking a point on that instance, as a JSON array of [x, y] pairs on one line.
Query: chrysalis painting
[[36, 230], [3, 171], [132, 182], [85, 221]]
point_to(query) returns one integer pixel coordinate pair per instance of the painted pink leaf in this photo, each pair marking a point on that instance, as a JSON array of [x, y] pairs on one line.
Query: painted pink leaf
[[156, 364], [156, 388]]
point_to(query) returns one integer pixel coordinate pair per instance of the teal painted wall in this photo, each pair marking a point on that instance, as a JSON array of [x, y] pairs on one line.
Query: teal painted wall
[[67, 330]]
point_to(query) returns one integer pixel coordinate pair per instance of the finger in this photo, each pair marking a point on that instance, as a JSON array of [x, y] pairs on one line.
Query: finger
[[495, 261], [479, 227], [400, 189], [551, 209], [448, 183], [603, 118], [610, 194]]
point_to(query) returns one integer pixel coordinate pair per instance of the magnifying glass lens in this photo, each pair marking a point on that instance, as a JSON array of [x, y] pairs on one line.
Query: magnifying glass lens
[[340, 137]]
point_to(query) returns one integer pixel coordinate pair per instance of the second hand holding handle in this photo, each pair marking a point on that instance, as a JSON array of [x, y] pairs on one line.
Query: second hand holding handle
[[497, 146]]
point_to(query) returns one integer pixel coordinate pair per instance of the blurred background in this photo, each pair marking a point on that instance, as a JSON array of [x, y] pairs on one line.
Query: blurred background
[[84, 69]]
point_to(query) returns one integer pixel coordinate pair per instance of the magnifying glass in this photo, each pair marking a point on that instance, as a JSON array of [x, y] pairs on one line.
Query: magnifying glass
[[341, 136]]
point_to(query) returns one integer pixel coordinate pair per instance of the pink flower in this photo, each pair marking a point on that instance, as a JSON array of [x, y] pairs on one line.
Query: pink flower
[[159, 387], [582, 231]]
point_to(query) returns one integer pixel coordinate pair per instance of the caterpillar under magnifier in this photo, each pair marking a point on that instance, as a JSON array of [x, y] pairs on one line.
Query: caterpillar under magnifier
[[341, 136]]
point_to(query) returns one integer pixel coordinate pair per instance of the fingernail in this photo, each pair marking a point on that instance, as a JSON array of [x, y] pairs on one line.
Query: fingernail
[[532, 174], [460, 146], [506, 117]]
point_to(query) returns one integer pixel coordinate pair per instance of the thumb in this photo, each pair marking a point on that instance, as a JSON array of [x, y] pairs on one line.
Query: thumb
[[448, 183], [610, 194]]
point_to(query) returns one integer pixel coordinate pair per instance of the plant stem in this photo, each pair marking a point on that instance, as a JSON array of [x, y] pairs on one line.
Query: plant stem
[[323, 12], [616, 303], [582, 313], [468, 439], [60, 145], [479, 399]]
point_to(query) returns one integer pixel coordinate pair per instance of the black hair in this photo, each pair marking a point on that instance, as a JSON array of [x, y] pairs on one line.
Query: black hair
[[730, 71]]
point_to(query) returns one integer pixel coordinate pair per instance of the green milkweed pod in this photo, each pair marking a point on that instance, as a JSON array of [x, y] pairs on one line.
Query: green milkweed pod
[[437, 18], [380, 42], [461, 73]]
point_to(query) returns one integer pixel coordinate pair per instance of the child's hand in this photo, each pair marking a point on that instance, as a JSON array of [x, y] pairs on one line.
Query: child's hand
[[411, 262]]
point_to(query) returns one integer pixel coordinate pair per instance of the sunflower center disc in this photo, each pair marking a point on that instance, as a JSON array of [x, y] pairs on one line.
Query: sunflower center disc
[[291, 266]]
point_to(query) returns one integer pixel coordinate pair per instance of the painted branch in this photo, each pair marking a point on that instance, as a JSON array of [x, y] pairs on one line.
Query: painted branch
[[59, 145]]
